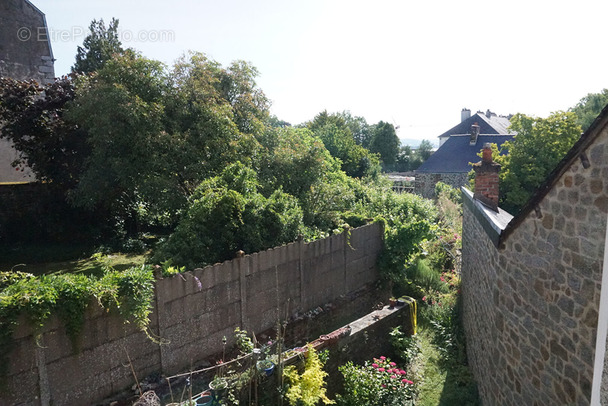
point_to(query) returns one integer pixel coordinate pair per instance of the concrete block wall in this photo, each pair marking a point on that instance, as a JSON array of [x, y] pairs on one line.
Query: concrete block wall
[[192, 312], [531, 307]]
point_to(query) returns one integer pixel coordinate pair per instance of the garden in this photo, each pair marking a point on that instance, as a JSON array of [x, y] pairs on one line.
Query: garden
[[428, 367], [142, 165]]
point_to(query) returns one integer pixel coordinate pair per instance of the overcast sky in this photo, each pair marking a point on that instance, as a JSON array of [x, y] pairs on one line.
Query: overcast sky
[[413, 63]]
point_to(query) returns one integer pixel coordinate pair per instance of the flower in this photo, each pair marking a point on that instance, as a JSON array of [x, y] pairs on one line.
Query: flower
[[383, 358], [375, 365], [381, 369], [392, 364]]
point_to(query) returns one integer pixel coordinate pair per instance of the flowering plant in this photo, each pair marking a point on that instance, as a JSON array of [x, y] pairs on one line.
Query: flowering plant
[[379, 382]]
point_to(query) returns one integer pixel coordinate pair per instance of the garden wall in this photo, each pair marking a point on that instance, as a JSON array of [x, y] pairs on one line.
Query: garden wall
[[192, 312], [531, 286], [425, 182]]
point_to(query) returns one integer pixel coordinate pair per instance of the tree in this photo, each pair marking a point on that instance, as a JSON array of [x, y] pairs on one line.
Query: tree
[[589, 107], [228, 214], [98, 47], [533, 153], [385, 142], [337, 137], [424, 150], [34, 121]]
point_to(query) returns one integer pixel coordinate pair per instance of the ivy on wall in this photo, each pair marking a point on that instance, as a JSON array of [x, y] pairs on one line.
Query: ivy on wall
[[36, 299]]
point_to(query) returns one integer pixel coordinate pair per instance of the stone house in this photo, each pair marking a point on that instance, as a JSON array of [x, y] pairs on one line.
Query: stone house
[[534, 313], [457, 148], [25, 53]]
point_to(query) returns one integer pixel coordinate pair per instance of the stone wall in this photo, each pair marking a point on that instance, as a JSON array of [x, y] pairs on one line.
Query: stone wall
[[425, 182], [251, 292], [25, 47], [531, 306]]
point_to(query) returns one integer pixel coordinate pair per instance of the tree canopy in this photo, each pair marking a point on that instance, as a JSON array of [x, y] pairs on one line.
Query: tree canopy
[[385, 143], [588, 108], [98, 47], [533, 153]]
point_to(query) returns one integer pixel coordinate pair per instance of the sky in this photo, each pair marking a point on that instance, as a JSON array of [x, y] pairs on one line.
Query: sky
[[415, 64]]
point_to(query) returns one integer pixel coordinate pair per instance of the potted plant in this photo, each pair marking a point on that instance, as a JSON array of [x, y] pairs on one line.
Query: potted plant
[[218, 386], [265, 366], [205, 399]]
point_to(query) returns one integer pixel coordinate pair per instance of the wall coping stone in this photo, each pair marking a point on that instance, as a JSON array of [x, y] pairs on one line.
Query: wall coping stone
[[491, 221]]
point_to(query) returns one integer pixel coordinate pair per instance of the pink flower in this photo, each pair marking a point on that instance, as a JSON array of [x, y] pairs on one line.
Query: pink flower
[[402, 372], [375, 365], [407, 381], [392, 364], [394, 376], [383, 358], [381, 369]]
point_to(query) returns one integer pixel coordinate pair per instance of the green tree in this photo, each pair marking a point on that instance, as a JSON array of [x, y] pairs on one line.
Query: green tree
[[533, 153], [589, 107], [337, 137], [98, 47], [424, 150], [228, 214], [385, 142], [404, 159]]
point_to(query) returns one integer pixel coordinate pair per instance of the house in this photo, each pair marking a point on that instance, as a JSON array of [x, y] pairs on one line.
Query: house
[[534, 313], [458, 147], [25, 53]]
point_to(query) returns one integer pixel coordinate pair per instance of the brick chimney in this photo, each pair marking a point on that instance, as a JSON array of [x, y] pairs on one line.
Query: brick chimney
[[474, 134], [486, 179]]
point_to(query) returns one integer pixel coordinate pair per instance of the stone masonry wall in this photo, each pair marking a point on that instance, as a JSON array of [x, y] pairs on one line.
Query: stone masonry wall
[[425, 182], [531, 307], [251, 292], [25, 50]]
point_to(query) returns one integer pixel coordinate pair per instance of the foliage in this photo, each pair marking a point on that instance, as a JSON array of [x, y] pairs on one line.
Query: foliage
[[424, 150], [377, 383], [407, 347], [228, 214], [130, 292], [446, 191], [534, 152], [589, 107], [337, 137], [243, 342], [98, 47], [409, 160], [385, 142], [307, 388], [410, 220]]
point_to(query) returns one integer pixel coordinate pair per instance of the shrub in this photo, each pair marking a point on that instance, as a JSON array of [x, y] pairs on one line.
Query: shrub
[[307, 388], [227, 215], [377, 383]]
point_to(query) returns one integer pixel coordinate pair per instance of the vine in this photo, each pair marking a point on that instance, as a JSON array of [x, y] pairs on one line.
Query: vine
[[36, 299]]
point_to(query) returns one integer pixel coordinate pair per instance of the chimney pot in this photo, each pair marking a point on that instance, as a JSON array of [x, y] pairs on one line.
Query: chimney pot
[[465, 114], [487, 153]]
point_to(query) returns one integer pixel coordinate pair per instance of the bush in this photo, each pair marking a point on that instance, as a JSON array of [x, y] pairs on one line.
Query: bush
[[377, 383], [228, 215]]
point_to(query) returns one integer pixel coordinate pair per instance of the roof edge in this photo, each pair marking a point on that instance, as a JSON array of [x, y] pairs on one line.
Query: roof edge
[[586, 139]]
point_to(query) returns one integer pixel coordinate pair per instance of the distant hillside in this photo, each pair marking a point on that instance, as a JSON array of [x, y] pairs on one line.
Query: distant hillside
[[414, 143]]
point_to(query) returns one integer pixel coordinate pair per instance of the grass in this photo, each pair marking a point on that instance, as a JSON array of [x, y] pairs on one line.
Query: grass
[[43, 260], [443, 384]]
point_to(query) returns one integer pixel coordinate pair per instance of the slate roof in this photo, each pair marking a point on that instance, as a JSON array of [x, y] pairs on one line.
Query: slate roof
[[487, 125], [456, 153]]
